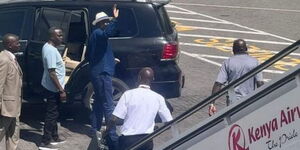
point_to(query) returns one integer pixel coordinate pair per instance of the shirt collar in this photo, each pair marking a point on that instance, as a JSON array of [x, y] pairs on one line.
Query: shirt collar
[[12, 56], [144, 86], [242, 53]]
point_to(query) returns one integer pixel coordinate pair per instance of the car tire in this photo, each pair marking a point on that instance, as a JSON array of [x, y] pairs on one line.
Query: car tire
[[119, 87]]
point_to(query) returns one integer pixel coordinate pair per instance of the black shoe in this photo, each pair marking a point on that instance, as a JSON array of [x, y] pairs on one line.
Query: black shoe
[[101, 142], [44, 146], [57, 141]]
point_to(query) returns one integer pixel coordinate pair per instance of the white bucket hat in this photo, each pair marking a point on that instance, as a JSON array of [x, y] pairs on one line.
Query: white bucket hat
[[99, 17]]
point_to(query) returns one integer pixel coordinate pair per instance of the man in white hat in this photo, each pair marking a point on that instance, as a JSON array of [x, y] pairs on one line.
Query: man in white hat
[[101, 61]]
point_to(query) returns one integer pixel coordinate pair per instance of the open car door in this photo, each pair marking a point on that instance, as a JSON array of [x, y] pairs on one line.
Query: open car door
[[45, 18]]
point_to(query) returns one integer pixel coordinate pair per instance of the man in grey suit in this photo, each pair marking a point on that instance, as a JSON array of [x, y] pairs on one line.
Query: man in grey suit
[[10, 91]]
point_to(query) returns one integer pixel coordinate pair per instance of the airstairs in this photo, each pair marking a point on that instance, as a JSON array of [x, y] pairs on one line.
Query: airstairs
[[267, 119]]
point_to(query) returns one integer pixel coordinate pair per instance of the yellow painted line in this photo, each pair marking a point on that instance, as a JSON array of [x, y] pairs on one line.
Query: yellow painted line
[[260, 54], [233, 38], [234, 24], [184, 28], [202, 57], [225, 43], [230, 48], [181, 28]]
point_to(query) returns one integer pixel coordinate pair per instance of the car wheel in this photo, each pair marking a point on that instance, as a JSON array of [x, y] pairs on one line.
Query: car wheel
[[119, 87]]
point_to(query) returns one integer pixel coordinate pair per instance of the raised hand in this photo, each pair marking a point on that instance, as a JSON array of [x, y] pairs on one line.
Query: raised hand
[[115, 11]]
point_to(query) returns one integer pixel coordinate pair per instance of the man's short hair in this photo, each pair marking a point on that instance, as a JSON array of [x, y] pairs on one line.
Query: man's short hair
[[51, 30], [6, 40], [239, 45], [147, 73]]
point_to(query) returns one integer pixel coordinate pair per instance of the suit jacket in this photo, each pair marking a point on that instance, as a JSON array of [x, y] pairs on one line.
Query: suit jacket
[[10, 86], [99, 52]]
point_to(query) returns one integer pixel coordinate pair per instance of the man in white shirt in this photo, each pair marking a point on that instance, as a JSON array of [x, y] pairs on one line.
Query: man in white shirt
[[138, 108]]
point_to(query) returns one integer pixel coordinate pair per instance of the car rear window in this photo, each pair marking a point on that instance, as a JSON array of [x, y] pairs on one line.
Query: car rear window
[[126, 26], [11, 21], [165, 20]]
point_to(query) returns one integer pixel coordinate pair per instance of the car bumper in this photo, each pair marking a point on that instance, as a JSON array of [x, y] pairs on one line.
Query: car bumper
[[168, 81], [168, 89]]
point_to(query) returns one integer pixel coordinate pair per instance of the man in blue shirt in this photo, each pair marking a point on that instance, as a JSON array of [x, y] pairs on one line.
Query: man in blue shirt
[[53, 83], [234, 68], [102, 65]]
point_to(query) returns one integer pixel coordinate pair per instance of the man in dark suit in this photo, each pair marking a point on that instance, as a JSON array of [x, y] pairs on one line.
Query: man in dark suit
[[10, 91], [102, 64]]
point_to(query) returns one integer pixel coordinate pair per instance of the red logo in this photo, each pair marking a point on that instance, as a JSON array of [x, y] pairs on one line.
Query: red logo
[[236, 138]]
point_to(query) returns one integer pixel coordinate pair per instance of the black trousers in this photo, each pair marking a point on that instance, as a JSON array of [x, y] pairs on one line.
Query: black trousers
[[50, 126], [126, 141]]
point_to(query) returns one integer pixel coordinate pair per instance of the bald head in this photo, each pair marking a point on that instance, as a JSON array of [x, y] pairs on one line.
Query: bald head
[[239, 46], [11, 42], [146, 75]]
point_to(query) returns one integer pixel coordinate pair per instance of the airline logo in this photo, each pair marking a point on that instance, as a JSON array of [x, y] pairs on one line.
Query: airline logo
[[237, 138]]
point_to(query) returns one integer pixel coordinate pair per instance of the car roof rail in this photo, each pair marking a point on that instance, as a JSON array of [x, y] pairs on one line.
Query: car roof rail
[[158, 2], [142, 1], [154, 1]]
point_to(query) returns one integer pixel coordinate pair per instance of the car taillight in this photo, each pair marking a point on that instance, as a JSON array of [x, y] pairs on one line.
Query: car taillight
[[170, 51]]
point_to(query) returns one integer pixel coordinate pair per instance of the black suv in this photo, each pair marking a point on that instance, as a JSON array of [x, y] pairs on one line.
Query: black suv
[[146, 37]]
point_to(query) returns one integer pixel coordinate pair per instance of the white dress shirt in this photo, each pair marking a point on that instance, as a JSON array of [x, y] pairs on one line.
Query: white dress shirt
[[138, 107]]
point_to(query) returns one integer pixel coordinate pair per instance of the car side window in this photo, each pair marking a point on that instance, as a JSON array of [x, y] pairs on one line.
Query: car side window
[[48, 17], [12, 21], [165, 20], [127, 25]]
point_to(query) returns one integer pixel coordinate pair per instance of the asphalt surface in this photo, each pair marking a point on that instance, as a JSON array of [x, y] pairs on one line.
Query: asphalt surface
[[206, 30]]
